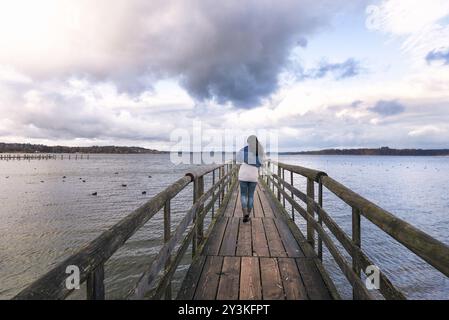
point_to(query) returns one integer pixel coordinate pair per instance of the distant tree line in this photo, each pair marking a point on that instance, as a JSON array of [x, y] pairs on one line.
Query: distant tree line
[[384, 151], [39, 148]]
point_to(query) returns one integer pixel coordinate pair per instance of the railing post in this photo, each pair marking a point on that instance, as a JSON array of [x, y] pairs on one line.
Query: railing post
[[219, 196], [95, 284], [213, 193], [222, 170], [293, 196], [320, 220], [195, 229], [310, 212], [167, 235], [356, 238], [229, 180], [267, 173], [283, 187], [199, 190], [279, 190]]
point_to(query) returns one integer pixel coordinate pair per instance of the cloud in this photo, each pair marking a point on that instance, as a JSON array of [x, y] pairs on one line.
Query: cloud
[[342, 70], [425, 131], [388, 108], [346, 69], [223, 51], [441, 55], [421, 26], [79, 109], [356, 103]]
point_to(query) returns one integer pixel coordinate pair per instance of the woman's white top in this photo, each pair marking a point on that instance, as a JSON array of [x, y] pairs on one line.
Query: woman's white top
[[248, 173]]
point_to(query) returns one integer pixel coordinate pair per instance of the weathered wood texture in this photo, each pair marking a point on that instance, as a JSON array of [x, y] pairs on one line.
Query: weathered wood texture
[[260, 259], [91, 258]]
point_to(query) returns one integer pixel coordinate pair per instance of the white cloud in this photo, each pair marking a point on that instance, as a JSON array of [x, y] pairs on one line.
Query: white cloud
[[418, 24], [426, 131]]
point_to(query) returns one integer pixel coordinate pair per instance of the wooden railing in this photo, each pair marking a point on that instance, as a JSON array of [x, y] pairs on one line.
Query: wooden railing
[[91, 259], [434, 252]]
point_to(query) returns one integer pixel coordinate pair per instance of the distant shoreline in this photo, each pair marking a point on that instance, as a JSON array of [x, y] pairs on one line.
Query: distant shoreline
[[39, 148], [383, 151]]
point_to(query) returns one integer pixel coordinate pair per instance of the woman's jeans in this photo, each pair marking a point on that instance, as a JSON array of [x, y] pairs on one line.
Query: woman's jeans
[[247, 194]]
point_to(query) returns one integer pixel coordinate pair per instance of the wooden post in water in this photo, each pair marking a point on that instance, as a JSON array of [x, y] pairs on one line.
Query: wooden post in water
[[167, 235], [311, 212], [95, 284], [357, 239]]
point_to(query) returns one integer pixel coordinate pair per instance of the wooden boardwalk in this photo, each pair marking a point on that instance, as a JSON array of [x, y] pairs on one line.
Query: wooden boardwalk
[[257, 260], [266, 258]]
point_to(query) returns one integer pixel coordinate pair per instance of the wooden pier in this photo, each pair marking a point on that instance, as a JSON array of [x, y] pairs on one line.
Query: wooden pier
[[257, 260], [41, 156], [267, 258]]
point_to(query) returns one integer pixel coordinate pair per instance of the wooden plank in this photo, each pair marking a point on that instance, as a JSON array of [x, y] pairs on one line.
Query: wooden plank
[[238, 206], [250, 286], [208, 282], [229, 212], [291, 245], [190, 281], [228, 288], [258, 211], [260, 244], [274, 240], [229, 244], [268, 211], [272, 288], [291, 279], [244, 241], [313, 281], [213, 244]]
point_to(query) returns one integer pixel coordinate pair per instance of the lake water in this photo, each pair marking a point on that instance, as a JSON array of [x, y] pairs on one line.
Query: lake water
[[44, 217]]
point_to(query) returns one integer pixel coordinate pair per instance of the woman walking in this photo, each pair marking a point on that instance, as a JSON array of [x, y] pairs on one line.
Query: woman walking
[[251, 158]]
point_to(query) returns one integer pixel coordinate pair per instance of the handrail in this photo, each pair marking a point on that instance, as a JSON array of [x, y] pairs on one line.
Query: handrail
[[386, 287], [305, 172], [426, 247], [91, 258], [146, 280], [434, 252]]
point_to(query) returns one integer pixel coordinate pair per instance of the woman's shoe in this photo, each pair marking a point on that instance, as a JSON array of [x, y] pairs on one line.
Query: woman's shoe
[[245, 215]]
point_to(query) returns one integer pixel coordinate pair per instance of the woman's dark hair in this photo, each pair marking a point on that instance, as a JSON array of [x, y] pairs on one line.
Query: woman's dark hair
[[254, 145]]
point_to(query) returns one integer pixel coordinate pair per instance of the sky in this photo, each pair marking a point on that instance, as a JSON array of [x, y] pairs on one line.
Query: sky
[[321, 73]]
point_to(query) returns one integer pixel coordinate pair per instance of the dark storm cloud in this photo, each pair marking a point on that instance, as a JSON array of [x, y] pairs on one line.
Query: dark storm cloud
[[227, 51], [388, 108], [440, 55], [237, 52]]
